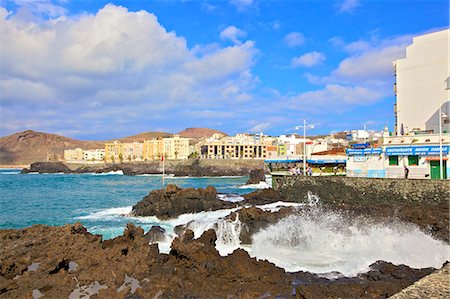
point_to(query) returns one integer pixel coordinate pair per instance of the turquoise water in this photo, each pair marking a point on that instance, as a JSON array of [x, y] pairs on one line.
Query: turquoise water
[[97, 201]]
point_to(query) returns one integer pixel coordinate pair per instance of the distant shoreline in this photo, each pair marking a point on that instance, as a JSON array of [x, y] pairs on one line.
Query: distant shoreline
[[3, 166]]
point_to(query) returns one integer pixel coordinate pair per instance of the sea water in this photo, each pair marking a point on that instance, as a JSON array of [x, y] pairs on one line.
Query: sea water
[[311, 240]]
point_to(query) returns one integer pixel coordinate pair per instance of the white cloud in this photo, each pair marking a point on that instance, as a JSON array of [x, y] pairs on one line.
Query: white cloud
[[116, 65], [233, 34], [308, 59], [348, 5], [261, 127], [365, 76], [371, 60], [242, 5], [337, 94], [39, 7], [294, 39]]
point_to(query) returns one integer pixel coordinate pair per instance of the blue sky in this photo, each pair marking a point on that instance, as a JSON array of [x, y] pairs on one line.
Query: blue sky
[[105, 69]]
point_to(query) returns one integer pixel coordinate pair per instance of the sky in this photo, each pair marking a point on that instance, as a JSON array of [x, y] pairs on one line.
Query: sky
[[101, 70]]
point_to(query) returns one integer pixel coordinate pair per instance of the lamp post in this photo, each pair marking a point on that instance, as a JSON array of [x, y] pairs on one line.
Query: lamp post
[[305, 125], [441, 116]]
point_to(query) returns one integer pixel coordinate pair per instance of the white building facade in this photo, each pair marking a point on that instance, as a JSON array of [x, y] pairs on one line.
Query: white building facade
[[421, 85]]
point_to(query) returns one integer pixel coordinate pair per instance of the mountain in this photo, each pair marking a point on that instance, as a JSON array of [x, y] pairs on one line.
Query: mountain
[[145, 136], [30, 146], [199, 133]]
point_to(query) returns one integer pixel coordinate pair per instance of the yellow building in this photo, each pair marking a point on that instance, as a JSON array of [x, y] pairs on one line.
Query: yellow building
[[114, 151], [174, 147]]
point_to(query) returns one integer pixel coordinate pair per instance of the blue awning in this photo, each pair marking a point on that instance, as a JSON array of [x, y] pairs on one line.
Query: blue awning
[[283, 161], [312, 161], [327, 161], [364, 151], [416, 150]]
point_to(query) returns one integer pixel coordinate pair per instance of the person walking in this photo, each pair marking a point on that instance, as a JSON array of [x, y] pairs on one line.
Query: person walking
[[406, 171]]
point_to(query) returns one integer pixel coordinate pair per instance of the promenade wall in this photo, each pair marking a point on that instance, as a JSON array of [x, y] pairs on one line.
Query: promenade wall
[[337, 189]]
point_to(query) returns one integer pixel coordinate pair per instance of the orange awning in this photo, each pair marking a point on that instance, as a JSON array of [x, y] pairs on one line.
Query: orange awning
[[435, 158]]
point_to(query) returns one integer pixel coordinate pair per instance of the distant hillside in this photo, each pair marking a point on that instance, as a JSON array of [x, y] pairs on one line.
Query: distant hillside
[[144, 136], [199, 133], [30, 146]]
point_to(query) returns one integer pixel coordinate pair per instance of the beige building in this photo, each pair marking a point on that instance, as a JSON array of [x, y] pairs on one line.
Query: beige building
[[73, 155], [421, 84], [133, 151], [220, 150], [79, 155], [174, 147]]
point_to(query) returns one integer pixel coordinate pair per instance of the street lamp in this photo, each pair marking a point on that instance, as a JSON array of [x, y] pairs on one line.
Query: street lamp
[[441, 116], [305, 125]]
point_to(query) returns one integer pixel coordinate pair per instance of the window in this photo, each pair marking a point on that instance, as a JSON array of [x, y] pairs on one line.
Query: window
[[413, 160], [393, 160]]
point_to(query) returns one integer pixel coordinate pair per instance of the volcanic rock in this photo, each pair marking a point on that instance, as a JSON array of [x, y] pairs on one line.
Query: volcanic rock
[[256, 176], [254, 219], [261, 197], [40, 260], [48, 167], [155, 234], [173, 201]]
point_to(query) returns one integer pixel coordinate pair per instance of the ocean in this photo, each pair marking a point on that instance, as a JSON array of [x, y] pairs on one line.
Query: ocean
[[314, 240]]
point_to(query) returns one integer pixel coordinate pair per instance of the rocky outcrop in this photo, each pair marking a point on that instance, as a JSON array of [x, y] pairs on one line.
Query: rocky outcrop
[[261, 197], [256, 176], [155, 234], [33, 264], [48, 167], [173, 201], [189, 167], [254, 219]]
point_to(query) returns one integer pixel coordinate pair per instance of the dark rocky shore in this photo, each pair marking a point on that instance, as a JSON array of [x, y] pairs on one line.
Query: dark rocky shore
[[68, 261], [190, 167], [58, 262]]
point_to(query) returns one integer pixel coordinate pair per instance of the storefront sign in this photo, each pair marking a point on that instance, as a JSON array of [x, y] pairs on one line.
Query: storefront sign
[[364, 151], [416, 150], [358, 158]]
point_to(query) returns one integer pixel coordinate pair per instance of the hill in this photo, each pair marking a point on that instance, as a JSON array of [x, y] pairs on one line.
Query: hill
[[30, 146], [199, 133]]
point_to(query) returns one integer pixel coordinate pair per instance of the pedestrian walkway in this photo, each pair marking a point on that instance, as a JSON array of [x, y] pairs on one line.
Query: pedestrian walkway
[[435, 285]]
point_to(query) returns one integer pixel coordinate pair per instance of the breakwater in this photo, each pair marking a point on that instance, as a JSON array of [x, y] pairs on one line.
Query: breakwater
[[189, 167], [335, 189]]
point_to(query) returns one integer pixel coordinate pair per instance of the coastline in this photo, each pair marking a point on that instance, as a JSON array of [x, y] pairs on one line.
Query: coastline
[[14, 166]]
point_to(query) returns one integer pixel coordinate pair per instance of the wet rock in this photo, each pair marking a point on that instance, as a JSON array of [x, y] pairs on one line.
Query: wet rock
[[155, 234], [173, 201], [127, 267], [261, 197], [254, 219], [47, 167], [256, 176]]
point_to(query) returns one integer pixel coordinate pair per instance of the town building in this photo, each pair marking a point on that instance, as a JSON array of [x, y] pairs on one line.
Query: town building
[[421, 84], [73, 155], [174, 147], [241, 146], [78, 155], [114, 151], [419, 153]]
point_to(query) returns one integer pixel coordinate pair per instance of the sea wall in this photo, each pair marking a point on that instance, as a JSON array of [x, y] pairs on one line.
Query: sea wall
[[336, 189], [190, 167]]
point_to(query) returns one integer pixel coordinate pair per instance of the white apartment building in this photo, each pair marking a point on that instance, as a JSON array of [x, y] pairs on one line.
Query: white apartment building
[[421, 85], [94, 155], [78, 155]]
